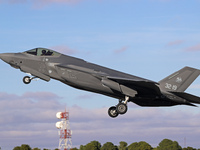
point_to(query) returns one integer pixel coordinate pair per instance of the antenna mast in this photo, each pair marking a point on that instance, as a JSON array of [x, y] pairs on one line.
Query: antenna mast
[[65, 132]]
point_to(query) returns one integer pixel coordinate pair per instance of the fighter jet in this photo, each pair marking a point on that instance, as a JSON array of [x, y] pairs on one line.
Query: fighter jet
[[47, 64]]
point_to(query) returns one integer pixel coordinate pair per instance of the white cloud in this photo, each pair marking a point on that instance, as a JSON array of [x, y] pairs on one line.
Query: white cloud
[[175, 43], [193, 48], [121, 50]]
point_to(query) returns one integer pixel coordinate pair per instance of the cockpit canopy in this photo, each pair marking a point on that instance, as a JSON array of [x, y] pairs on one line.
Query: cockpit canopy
[[43, 52]]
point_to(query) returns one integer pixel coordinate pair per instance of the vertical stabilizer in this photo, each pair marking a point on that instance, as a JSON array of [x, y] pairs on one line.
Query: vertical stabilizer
[[180, 80]]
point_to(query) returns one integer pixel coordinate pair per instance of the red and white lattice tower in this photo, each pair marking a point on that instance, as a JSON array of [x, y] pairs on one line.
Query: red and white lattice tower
[[65, 132]]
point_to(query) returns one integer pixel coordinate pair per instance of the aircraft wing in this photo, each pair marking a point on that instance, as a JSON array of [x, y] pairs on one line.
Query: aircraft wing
[[137, 82], [86, 70], [126, 84]]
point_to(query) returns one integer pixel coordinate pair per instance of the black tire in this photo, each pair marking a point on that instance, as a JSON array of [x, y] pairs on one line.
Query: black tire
[[27, 80], [121, 108], [112, 112]]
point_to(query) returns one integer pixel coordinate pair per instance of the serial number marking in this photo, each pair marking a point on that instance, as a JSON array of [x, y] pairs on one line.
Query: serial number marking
[[171, 86]]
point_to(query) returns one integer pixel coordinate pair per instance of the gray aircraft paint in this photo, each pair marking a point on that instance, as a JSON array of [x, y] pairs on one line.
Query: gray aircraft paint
[[47, 64]]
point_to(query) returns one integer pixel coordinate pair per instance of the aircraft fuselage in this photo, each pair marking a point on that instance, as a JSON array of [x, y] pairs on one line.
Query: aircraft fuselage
[[46, 64]]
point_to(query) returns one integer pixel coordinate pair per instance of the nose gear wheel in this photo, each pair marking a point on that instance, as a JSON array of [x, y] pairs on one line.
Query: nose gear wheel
[[27, 80]]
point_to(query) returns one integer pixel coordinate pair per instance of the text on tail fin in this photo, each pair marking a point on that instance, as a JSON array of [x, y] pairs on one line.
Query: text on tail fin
[[180, 80]]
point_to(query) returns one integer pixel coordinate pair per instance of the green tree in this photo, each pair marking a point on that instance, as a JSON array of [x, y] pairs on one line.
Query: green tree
[[74, 148], [36, 149], [189, 148], [133, 146], [144, 146], [94, 145], [167, 144], [122, 145], [25, 147], [82, 147], [140, 146], [109, 146], [17, 148]]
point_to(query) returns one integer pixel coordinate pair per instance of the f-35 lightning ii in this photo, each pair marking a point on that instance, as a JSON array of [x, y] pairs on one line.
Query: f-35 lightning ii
[[46, 64]]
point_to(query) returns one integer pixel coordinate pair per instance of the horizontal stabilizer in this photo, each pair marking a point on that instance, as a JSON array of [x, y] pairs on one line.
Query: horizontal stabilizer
[[189, 97]]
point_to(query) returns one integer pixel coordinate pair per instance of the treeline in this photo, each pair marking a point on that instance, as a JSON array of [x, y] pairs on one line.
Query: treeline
[[165, 144]]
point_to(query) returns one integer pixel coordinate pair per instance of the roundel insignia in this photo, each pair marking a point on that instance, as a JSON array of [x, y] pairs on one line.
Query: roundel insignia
[[178, 79]]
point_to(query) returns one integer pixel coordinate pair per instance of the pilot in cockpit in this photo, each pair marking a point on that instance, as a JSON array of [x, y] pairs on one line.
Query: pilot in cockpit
[[43, 52]]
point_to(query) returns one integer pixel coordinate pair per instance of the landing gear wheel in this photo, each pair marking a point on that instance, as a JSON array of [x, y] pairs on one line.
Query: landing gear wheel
[[121, 108], [112, 112], [27, 80]]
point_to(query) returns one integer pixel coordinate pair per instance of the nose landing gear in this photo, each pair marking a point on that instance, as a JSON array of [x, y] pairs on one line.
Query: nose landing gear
[[27, 79], [121, 108]]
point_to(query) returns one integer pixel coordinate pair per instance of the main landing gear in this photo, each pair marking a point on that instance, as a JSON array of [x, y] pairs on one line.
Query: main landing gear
[[121, 108], [28, 79]]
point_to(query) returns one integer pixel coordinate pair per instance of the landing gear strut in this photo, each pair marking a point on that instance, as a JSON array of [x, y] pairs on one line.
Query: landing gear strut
[[121, 108]]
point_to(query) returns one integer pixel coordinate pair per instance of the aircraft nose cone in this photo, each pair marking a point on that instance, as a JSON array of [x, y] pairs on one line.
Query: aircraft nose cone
[[6, 57]]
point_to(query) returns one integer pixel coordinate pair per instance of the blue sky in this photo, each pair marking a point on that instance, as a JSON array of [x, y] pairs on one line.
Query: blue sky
[[147, 38]]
